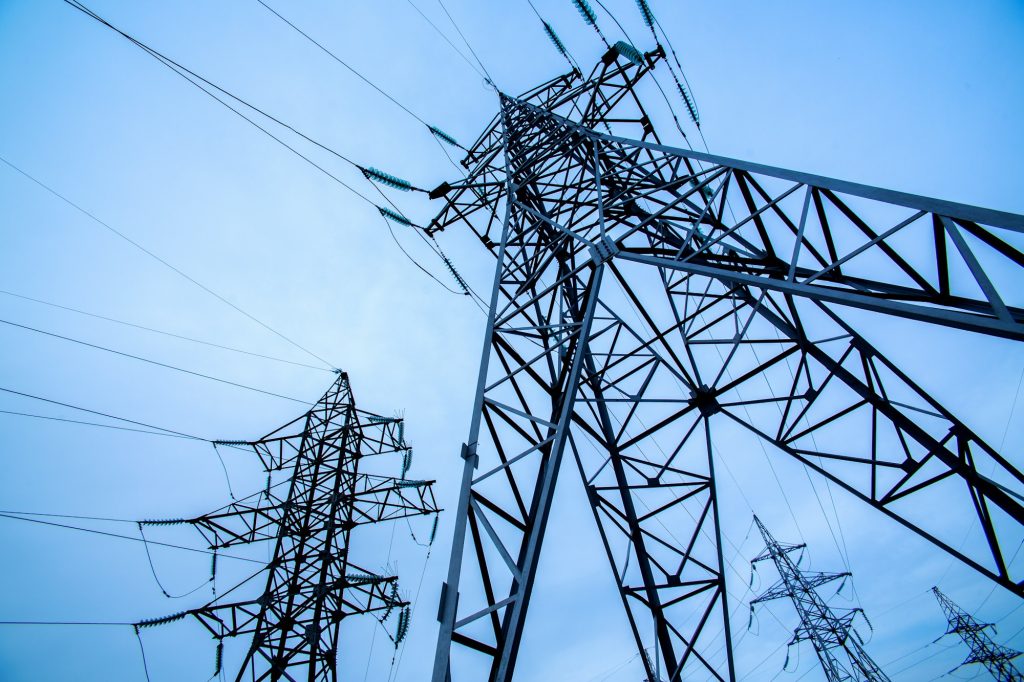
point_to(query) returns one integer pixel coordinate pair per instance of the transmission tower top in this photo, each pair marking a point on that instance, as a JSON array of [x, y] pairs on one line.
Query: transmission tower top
[[831, 631], [997, 659], [312, 582], [647, 296]]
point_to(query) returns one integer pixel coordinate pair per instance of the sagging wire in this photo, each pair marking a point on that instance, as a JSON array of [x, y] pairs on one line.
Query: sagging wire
[[156, 578], [411, 259], [167, 264], [161, 331], [227, 478], [393, 214], [142, 650], [199, 81], [434, 130], [423, 572]]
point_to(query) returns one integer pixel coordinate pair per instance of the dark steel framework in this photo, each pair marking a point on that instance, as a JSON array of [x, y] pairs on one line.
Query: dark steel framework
[[997, 659], [646, 295], [311, 584], [831, 632]]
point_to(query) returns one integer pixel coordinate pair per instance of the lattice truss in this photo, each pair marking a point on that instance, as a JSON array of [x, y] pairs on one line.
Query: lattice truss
[[317, 493], [831, 632], [646, 297], [997, 659]]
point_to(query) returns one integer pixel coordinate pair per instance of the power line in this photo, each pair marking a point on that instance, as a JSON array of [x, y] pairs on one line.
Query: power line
[[84, 423], [446, 38], [62, 622], [200, 82], [152, 362], [161, 331], [338, 59], [463, 36], [128, 537], [164, 262], [68, 516], [172, 432]]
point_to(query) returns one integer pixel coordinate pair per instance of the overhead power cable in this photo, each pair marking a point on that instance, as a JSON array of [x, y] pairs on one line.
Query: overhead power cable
[[129, 537], [170, 432], [165, 263], [433, 130], [446, 39], [85, 423], [203, 84], [152, 362], [463, 36], [162, 332], [208, 87], [62, 622]]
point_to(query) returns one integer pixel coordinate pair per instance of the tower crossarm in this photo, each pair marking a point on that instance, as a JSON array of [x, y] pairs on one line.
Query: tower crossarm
[[996, 658], [830, 630], [797, 233], [646, 296], [475, 200], [310, 585], [648, 212], [809, 580]]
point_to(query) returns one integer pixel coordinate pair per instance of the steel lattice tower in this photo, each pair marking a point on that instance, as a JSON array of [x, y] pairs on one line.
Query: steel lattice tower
[[311, 583], [830, 631], [645, 296], [997, 659]]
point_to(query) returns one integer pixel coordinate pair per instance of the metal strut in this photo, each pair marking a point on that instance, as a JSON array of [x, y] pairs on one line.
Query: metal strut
[[647, 296], [311, 584]]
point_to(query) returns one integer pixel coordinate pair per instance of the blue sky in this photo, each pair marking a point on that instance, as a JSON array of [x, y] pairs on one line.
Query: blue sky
[[923, 97]]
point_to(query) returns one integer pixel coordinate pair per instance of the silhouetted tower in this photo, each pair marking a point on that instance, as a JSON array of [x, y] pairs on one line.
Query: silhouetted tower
[[996, 658], [311, 584], [647, 303], [829, 630]]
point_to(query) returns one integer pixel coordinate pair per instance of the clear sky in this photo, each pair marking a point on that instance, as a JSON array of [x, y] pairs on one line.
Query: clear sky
[[924, 97]]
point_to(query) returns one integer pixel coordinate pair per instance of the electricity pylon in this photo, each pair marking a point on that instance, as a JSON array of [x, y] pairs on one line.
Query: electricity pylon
[[997, 659], [830, 631], [311, 584], [646, 296]]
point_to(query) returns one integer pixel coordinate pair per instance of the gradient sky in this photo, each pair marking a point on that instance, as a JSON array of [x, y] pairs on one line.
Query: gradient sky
[[923, 97]]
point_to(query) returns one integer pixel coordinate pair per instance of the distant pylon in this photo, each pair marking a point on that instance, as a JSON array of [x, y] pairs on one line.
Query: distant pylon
[[311, 583], [830, 631], [997, 659]]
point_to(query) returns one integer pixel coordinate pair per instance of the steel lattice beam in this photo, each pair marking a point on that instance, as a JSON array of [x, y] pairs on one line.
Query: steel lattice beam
[[311, 584], [644, 297]]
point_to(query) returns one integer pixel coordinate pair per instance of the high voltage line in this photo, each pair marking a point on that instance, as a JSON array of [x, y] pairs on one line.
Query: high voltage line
[[211, 89], [166, 431], [162, 332], [446, 39], [151, 361], [348, 66], [677, 223], [164, 262]]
